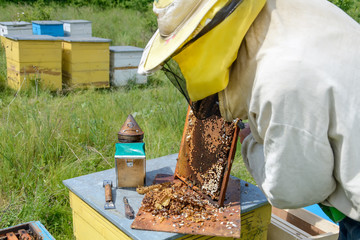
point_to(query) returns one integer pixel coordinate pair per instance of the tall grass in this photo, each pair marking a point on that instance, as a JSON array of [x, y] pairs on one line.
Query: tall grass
[[45, 139]]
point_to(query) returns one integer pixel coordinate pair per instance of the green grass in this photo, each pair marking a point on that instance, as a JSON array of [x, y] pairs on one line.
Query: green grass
[[46, 137]]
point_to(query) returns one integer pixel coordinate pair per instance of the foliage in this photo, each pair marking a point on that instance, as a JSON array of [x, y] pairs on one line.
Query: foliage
[[351, 7]]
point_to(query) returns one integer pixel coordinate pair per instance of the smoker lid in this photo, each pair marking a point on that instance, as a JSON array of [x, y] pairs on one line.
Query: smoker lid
[[130, 128]]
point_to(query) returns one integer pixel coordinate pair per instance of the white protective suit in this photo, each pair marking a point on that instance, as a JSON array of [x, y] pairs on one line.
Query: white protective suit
[[297, 80]]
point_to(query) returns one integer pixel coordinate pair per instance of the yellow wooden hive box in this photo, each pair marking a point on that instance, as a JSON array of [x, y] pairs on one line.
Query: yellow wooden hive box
[[86, 62], [92, 221], [90, 224], [2, 41], [14, 28], [32, 60]]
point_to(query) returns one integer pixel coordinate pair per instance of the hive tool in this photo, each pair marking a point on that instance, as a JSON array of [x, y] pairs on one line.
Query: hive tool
[[107, 184], [129, 212]]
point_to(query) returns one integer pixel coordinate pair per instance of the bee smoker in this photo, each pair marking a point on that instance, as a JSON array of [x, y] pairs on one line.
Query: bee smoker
[[130, 160]]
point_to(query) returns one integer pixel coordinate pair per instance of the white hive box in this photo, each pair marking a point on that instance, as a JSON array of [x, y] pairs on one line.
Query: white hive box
[[124, 62], [77, 28], [15, 28]]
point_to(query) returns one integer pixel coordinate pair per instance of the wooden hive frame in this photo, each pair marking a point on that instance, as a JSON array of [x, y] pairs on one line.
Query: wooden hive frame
[[232, 209], [183, 166]]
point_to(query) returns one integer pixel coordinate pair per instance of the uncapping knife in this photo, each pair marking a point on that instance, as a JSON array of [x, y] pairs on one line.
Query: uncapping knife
[[129, 212], [107, 184]]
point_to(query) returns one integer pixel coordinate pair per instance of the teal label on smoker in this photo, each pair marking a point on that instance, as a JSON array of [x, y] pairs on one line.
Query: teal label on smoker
[[129, 149]]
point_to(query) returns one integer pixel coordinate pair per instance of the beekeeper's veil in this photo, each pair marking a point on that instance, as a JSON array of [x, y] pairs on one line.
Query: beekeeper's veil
[[196, 44]]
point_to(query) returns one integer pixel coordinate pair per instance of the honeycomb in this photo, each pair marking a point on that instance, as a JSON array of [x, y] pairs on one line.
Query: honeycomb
[[178, 201], [207, 147], [203, 160]]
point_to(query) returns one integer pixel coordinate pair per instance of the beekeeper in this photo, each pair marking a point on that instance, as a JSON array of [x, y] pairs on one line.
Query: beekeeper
[[292, 68]]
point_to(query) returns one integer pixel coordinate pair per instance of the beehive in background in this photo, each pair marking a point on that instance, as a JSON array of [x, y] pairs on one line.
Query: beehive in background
[[77, 28], [124, 61], [2, 41], [14, 28], [86, 62], [33, 60], [52, 28]]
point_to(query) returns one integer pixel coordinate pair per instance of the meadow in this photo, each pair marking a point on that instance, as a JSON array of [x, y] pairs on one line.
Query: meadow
[[48, 137]]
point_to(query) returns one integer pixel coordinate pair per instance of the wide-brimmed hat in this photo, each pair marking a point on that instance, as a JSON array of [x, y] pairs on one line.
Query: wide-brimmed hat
[[177, 21]]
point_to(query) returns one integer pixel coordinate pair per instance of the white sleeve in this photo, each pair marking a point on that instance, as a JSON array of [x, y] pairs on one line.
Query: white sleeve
[[288, 152], [291, 167]]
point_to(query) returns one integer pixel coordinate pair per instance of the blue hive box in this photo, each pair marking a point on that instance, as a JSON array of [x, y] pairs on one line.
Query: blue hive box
[[317, 210], [35, 228], [52, 28]]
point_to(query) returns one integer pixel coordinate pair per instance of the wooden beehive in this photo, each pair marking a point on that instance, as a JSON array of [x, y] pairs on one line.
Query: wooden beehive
[[51, 28], [33, 60], [85, 62], [124, 61], [14, 28], [2, 41], [28, 231], [77, 28], [91, 221], [296, 224]]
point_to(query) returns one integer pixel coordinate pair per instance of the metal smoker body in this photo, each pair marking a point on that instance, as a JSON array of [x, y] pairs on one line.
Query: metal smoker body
[[130, 160]]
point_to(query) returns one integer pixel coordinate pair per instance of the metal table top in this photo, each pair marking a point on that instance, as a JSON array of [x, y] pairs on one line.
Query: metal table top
[[90, 189]]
